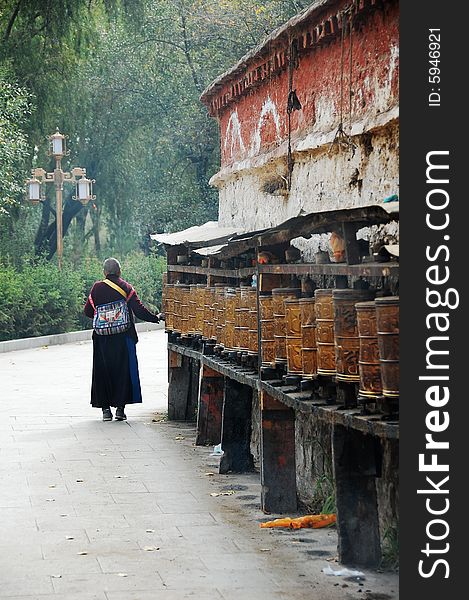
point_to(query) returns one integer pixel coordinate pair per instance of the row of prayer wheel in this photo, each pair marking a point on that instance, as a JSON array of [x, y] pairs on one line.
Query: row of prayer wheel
[[341, 333], [344, 333], [220, 313]]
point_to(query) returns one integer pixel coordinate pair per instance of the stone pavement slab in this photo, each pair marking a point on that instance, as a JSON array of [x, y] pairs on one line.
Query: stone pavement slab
[[122, 510]]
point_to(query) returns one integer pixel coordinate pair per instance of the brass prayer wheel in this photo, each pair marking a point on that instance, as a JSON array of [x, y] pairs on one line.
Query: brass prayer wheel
[[308, 337], [192, 308], [253, 333], [184, 291], [368, 363], [199, 311], [279, 295], [324, 309], [387, 322], [347, 340], [293, 336], [267, 330], [230, 316]]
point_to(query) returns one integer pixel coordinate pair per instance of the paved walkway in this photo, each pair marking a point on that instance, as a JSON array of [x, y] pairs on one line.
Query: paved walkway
[[123, 511]]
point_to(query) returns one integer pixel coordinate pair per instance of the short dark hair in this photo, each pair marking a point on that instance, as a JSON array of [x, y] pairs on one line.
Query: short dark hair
[[111, 266]]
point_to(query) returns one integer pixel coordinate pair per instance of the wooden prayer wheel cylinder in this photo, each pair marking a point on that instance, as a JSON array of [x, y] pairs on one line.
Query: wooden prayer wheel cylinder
[[387, 322], [279, 295], [267, 330], [237, 325], [368, 363], [308, 337], [168, 307], [177, 308], [207, 328], [293, 337], [347, 340], [324, 309]]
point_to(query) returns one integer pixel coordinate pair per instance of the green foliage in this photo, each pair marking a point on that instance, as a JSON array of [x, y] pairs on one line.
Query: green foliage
[[41, 300], [15, 108]]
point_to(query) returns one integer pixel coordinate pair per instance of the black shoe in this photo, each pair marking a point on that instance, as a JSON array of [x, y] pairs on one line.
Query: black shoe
[[120, 414], [107, 414]]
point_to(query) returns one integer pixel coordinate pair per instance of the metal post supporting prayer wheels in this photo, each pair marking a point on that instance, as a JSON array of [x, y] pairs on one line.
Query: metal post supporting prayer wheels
[[293, 337], [279, 295], [325, 332], [368, 363], [387, 321], [308, 338], [347, 341]]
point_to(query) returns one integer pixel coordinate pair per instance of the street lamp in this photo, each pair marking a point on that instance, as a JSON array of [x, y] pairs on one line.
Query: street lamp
[[77, 176]]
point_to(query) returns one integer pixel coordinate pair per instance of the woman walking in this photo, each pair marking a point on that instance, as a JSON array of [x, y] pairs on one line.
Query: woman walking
[[112, 304]]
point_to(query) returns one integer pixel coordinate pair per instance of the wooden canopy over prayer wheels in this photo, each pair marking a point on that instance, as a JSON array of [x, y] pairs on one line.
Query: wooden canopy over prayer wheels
[[267, 329], [279, 295], [368, 363], [294, 340], [387, 321], [308, 337], [347, 341], [325, 332]]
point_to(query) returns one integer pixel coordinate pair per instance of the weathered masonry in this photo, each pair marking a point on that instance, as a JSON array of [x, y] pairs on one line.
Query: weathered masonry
[[282, 318]]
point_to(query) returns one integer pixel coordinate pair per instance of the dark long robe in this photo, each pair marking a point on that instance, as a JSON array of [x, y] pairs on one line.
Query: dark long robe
[[115, 380]]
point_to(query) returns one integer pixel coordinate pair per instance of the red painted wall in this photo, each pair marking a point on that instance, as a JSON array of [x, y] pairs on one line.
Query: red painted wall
[[257, 121]]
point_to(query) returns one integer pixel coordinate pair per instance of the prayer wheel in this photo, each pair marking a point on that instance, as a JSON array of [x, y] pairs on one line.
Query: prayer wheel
[[192, 308], [199, 311], [168, 307], [207, 328], [230, 318], [177, 308], [325, 332], [308, 337], [347, 340], [279, 295], [219, 311], [368, 362], [293, 337], [184, 291], [253, 333], [267, 329], [236, 342], [387, 323]]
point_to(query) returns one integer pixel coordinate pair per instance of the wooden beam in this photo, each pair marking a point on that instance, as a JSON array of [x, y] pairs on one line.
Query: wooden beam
[[278, 468], [236, 428], [209, 414], [356, 460]]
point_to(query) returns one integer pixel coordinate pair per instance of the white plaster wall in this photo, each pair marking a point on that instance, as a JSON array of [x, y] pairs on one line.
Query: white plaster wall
[[321, 180]]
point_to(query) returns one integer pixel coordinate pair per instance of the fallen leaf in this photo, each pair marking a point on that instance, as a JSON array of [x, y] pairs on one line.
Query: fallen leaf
[[56, 576], [227, 493], [50, 499], [179, 437], [64, 515], [150, 531], [69, 537], [209, 474], [266, 549], [83, 553], [121, 574], [80, 480], [52, 485], [150, 548], [102, 454]]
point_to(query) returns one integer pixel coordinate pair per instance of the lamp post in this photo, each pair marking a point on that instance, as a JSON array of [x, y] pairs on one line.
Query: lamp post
[[77, 176]]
